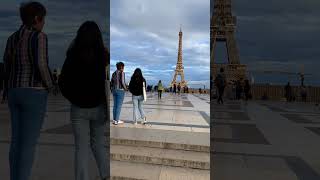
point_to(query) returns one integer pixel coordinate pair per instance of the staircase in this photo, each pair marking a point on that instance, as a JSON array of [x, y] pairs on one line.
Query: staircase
[[153, 154]]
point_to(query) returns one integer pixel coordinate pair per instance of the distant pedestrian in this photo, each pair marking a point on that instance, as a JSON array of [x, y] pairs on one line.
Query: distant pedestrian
[[221, 84], [160, 89], [118, 87], [238, 89], [179, 88], [288, 92], [200, 91], [303, 93], [234, 95], [175, 88], [247, 90], [136, 88]]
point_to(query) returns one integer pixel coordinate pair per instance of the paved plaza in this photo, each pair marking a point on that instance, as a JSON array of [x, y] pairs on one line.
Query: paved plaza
[[175, 144], [265, 140], [55, 151], [255, 140]]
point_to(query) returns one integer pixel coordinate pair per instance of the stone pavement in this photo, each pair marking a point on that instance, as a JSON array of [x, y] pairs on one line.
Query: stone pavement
[[265, 140], [55, 151], [259, 140], [174, 144]]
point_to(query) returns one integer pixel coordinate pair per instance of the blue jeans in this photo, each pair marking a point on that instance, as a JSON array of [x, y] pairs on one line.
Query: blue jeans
[[89, 127], [137, 107], [27, 108], [118, 96]]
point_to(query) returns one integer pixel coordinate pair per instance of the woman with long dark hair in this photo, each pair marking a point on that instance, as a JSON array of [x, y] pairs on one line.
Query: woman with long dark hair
[[136, 88], [82, 82]]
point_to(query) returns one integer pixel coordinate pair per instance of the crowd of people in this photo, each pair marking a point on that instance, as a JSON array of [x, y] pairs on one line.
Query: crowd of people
[[239, 88], [290, 94]]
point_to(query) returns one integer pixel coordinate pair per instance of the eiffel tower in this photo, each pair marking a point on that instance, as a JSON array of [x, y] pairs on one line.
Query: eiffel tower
[[179, 66], [223, 25]]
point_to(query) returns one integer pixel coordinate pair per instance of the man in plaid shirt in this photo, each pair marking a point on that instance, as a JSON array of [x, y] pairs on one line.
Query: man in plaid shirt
[[27, 82]]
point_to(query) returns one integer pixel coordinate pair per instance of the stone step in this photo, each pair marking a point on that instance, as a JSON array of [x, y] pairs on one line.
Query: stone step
[[164, 139], [162, 145], [157, 156], [139, 171]]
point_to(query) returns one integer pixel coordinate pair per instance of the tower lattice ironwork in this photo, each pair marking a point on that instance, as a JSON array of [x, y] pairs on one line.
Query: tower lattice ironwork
[[223, 25], [179, 67]]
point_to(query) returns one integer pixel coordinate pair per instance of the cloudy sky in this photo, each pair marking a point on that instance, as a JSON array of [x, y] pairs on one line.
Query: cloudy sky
[[62, 22], [271, 35], [144, 34], [279, 36]]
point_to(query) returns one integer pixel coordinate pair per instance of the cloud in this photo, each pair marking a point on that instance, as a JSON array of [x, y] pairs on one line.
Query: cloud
[[277, 35], [146, 36]]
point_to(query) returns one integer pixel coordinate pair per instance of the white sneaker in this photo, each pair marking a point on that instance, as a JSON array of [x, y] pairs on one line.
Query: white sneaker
[[115, 122], [144, 120], [120, 122]]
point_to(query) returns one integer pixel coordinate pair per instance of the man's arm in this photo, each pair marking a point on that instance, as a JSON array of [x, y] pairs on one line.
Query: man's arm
[[43, 60]]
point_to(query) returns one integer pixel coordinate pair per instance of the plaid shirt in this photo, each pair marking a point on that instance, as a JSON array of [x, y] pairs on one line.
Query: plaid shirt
[[26, 60], [118, 80]]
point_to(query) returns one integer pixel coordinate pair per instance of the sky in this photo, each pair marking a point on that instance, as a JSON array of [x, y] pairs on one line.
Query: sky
[[62, 22], [144, 34], [271, 35], [279, 36]]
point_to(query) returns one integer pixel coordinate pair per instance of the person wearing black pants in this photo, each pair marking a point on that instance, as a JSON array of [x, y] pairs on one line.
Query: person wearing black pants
[[221, 84], [160, 89], [221, 91]]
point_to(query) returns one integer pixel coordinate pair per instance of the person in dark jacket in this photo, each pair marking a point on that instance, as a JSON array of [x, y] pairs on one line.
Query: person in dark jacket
[[136, 88], [238, 90], [82, 82], [175, 88], [220, 84], [179, 88], [288, 92], [247, 90]]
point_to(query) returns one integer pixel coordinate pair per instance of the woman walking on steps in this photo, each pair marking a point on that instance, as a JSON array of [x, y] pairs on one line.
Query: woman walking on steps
[[136, 88]]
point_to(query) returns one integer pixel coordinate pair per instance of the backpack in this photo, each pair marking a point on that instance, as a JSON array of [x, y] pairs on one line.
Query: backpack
[[220, 82], [113, 81]]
